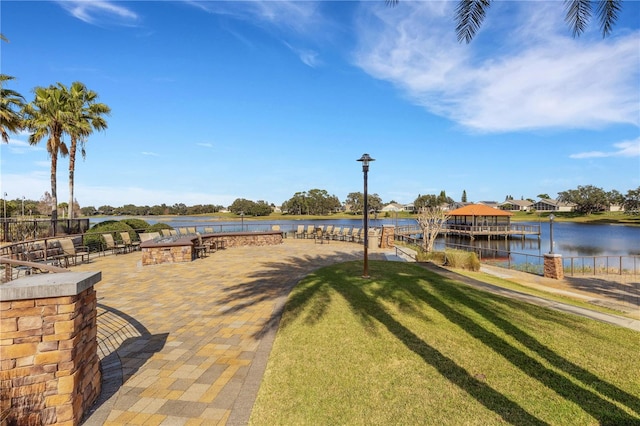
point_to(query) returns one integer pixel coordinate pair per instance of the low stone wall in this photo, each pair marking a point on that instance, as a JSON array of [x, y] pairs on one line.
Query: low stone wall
[[49, 366], [247, 238], [173, 254]]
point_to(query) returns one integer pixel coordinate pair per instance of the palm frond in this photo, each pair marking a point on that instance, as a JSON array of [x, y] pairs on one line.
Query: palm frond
[[607, 12], [578, 15], [469, 17], [391, 2]]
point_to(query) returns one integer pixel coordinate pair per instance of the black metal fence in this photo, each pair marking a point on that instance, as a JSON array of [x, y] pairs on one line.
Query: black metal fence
[[572, 265], [21, 229]]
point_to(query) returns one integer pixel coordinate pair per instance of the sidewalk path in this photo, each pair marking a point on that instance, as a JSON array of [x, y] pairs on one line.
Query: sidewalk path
[[618, 320], [188, 343]]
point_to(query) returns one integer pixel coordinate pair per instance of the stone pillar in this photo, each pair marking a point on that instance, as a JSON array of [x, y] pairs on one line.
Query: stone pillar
[[387, 239], [553, 266], [49, 365]]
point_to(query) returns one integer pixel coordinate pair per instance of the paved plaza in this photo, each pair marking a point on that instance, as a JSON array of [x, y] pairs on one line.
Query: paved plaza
[[187, 343]]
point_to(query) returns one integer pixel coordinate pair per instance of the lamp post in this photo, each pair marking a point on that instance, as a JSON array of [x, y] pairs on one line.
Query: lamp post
[[551, 217], [365, 159]]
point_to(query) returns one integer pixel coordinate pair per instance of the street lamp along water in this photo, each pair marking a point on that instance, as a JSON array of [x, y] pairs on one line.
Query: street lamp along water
[[365, 159], [551, 218]]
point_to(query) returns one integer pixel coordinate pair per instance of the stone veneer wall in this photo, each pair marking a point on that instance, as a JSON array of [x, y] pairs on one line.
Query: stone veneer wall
[[257, 239], [553, 266], [388, 237], [172, 254], [49, 366]]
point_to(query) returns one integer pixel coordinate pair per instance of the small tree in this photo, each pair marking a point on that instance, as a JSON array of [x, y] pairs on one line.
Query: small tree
[[431, 221]]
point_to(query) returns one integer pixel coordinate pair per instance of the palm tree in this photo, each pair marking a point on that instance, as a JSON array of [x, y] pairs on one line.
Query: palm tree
[[49, 116], [11, 102], [87, 117], [471, 13]]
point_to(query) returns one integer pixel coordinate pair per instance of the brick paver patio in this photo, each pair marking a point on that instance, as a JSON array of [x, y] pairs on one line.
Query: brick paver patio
[[187, 343]]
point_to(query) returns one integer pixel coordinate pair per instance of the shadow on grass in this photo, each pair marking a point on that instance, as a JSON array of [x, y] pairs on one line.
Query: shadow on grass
[[447, 297], [599, 408]]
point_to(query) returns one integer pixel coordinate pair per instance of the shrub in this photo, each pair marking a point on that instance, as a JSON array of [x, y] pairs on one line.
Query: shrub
[[156, 227], [462, 259], [138, 225], [93, 238]]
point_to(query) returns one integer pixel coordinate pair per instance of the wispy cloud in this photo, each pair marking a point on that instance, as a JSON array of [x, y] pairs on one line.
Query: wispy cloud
[[621, 149], [300, 16], [307, 56], [300, 20], [99, 12], [205, 144], [17, 146], [150, 154], [533, 78]]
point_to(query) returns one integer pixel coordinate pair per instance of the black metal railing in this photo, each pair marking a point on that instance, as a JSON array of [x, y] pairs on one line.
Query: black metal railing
[[14, 229]]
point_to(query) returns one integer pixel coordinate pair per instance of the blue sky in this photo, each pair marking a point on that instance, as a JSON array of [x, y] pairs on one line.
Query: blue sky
[[213, 101]]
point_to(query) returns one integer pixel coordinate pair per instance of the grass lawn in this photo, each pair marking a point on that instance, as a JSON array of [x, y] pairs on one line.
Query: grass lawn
[[411, 347]]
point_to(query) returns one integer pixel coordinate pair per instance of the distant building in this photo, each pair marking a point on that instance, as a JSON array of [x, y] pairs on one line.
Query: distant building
[[493, 204], [393, 207], [550, 205], [516, 205]]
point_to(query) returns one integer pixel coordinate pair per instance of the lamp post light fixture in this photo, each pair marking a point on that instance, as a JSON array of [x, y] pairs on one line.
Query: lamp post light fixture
[[551, 218], [365, 159]]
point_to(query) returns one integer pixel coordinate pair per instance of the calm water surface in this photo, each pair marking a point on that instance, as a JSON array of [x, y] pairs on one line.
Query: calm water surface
[[570, 239]]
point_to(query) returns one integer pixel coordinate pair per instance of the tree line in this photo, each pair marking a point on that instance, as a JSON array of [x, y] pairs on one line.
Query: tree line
[[587, 199]]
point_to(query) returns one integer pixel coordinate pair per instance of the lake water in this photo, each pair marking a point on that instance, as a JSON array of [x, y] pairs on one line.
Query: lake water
[[570, 239]]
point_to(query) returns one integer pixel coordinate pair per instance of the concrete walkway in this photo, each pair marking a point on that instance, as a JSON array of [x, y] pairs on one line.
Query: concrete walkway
[[187, 343]]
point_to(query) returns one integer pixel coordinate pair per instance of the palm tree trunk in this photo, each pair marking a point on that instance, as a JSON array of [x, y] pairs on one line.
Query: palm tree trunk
[[54, 192], [72, 166]]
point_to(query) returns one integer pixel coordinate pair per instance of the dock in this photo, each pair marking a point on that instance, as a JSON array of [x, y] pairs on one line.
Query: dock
[[472, 232]]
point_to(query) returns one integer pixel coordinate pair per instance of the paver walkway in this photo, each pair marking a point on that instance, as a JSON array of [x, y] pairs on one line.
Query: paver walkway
[[187, 343]]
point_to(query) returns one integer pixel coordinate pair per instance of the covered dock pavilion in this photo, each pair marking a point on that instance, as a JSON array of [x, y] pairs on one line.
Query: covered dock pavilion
[[476, 220]]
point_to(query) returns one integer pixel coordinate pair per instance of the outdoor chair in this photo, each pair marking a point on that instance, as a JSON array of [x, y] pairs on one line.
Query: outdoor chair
[[337, 233], [130, 245], [165, 232], [192, 230], [208, 230], [300, 232], [146, 236], [183, 231], [111, 244], [72, 252], [321, 237], [353, 235], [200, 249], [173, 232], [310, 231]]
